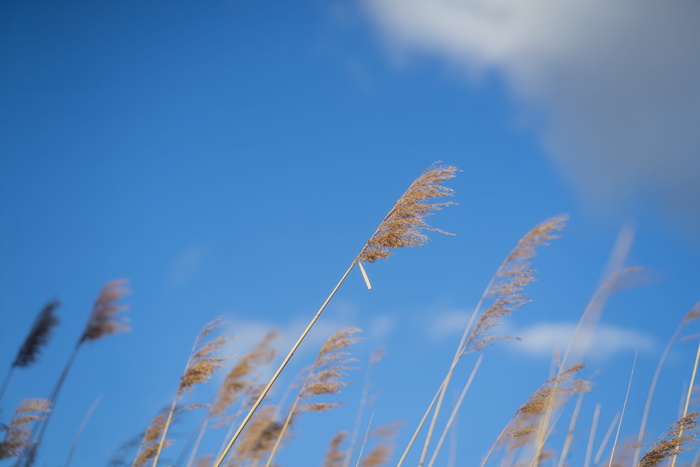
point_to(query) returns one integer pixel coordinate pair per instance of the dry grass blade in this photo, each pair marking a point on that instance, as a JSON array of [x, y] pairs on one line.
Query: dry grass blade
[[403, 226], [38, 336], [675, 440], [324, 378], [335, 455], [523, 426], [18, 435], [104, 320]]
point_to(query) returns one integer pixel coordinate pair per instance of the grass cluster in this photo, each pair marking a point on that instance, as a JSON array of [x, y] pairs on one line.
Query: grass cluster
[[258, 429]]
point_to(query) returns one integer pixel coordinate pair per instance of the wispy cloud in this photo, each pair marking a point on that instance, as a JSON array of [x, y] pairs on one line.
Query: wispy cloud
[[618, 83], [544, 339]]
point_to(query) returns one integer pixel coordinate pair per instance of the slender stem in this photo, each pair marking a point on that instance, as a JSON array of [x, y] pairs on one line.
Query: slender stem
[[267, 388], [622, 415], [650, 396], [165, 430], [420, 425], [606, 438], [570, 431], [30, 454], [195, 448], [453, 415], [358, 418], [74, 445], [364, 441], [591, 437], [7, 380]]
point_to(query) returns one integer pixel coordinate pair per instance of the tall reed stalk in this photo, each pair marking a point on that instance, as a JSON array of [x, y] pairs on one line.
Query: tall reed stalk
[[401, 227]]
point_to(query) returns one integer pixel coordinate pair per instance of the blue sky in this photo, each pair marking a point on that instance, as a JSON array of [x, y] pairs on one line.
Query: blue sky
[[232, 157]]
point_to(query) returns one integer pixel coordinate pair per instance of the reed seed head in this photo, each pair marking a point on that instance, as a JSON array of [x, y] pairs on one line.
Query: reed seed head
[[335, 455], [38, 336], [237, 381], [552, 393], [259, 437], [18, 434], [675, 440], [203, 362], [104, 320], [404, 224], [510, 280], [325, 376], [151, 440], [381, 452]]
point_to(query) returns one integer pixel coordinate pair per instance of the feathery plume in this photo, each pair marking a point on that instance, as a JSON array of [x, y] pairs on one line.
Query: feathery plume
[[237, 381], [38, 336], [150, 443], [103, 320], [379, 455], [404, 224], [18, 435], [675, 440], [259, 439], [509, 281], [200, 367], [203, 362], [335, 455]]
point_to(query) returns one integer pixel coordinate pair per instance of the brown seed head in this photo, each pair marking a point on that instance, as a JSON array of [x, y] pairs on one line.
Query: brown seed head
[[381, 452], [18, 435], [675, 440], [238, 379], [103, 320], [551, 394], [151, 439], [38, 336], [509, 281], [325, 376], [335, 455], [203, 362], [405, 222]]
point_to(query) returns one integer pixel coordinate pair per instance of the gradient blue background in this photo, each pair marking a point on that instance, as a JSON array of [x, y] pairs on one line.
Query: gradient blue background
[[232, 157]]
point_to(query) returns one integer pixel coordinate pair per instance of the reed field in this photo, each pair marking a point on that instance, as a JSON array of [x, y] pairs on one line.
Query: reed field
[[250, 407]]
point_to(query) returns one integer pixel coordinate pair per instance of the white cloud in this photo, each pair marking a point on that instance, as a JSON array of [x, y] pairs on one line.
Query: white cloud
[[618, 83], [544, 339]]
